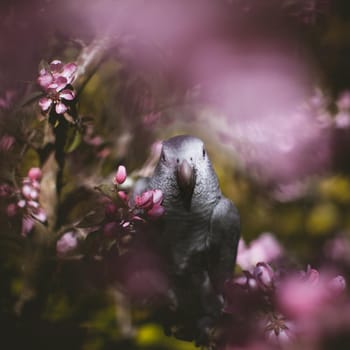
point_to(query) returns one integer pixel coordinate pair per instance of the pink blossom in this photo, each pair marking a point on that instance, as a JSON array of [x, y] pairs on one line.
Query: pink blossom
[[343, 102], [157, 196], [34, 174], [342, 120], [277, 329], [26, 189], [303, 296], [145, 200], [264, 275], [121, 175], [337, 285], [55, 98], [338, 249], [54, 81], [58, 76], [28, 201], [110, 229], [151, 201], [247, 281], [110, 209], [27, 225], [5, 190], [11, 210], [299, 298], [7, 100], [122, 195], [156, 211], [6, 142], [66, 244], [264, 249], [125, 224], [311, 275]]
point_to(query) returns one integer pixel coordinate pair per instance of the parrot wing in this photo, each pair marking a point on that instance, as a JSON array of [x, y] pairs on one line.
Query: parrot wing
[[224, 234]]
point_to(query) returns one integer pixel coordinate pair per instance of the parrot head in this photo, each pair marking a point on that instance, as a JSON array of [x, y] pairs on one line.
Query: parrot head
[[184, 163]]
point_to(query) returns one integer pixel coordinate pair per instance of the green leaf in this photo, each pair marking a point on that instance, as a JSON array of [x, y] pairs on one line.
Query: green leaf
[[92, 219], [74, 139], [107, 190]]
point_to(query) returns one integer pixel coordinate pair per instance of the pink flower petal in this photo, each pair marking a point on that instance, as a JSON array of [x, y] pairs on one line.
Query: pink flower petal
[[111, 210], [67, 94], [45, 79], [60, 108], [120, 176], [34, 174], [59, 83], [312, 276], [11, 210], [67, 243], [27, 225], [45, 103], [122, 195], [337, 285], [21, 203], [156, 211], [35, 184], [26, 190], [137, 218], [157, 196], [5, 190], [144, 201], [68, 72], [33, 204], [40, 215], [34, 194], [56, 66], [264, 275], [6, 142], [125, 224]]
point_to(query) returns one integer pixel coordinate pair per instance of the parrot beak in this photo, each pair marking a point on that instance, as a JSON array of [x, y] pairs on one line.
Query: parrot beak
[[186, 177]]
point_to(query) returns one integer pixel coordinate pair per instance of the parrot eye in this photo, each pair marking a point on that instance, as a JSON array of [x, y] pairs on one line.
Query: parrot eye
[[204, 153]]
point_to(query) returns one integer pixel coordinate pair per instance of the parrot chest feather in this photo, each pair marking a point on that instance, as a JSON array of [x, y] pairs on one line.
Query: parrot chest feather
[[186, 234]]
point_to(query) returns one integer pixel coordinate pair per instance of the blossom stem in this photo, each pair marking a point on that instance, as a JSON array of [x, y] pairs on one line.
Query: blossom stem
[[89, 61]]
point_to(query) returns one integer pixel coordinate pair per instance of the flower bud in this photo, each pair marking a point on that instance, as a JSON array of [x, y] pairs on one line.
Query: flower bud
[[120, 176], [110, 210], [264, 275], [145, 201], [122, 195], [11, 210], [110, 229], [34, 174], [337, 285], [67, 243]]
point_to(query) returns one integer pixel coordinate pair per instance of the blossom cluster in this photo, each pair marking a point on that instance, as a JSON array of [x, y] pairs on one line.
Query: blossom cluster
[[265, 248], [122, 216], [279, 307], [56, 82], [29, 200], [24, 202], [148, 201], [147, 205]]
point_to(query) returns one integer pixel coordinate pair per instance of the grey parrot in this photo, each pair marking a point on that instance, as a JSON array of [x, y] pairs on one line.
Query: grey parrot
[[198, 235]]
